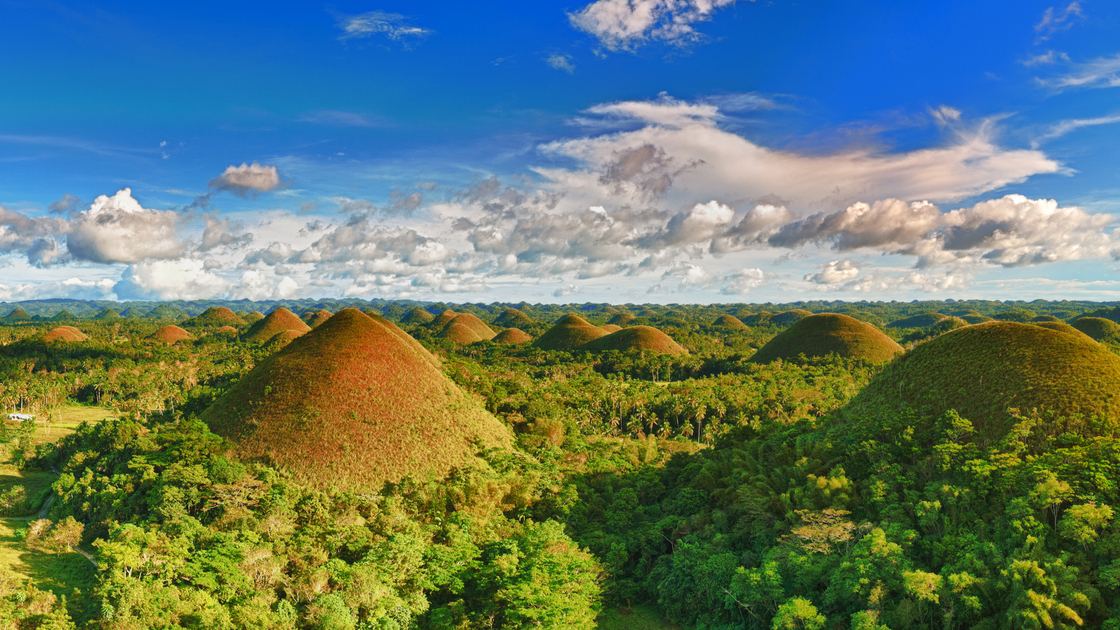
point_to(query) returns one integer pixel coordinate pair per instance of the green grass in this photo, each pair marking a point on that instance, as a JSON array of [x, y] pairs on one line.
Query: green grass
[[66, 420], [58, 573], [925, 320], [635, 618], [568, 333], [827, 333], [36, 486], [635, 338]]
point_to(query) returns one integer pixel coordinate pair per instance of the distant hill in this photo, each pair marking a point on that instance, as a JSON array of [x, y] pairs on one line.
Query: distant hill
[[1099, 328], [417, 316], [253, 317], [568, 333], [924, 320], [789, 318], [1063, 327], [621, 319], [351, 404], [442, 320], [466, 328], [317, 318], [275, 322], [981, 371], [63, 333], [729, 322], [513, 318], [17, 315], [827, 333], [635, 338], [108, 315], [216, 316], [170, 335], [512, 336]]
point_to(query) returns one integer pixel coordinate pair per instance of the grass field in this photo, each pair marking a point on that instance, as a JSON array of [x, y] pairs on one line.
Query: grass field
[[58, 573], [66, 420], [636, 618]]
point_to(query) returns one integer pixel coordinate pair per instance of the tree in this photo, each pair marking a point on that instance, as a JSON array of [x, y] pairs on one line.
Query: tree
[[797, 613]]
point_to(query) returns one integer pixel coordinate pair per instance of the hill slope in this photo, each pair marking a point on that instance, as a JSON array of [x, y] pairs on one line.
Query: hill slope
[[512, 335], [274, 323], [63, 333], [1099, 328], [826, 333], [730, 322], [170, 335], [568, 333], [635, 338], [214, 316], [350, 403]]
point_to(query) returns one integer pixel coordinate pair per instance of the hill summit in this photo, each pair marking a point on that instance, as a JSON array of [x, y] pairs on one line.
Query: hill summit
[[64, 333], [568, 333], [215, 316], [352, 404], [983, 370], [827, 333], [635, 338], [273, 324]]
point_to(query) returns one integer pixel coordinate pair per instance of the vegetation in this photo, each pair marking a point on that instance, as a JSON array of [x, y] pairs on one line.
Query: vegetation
[[1100, 329], [512, 336], [274, 323], [635, 339], [829, 333], [568, 333], [170, 335]]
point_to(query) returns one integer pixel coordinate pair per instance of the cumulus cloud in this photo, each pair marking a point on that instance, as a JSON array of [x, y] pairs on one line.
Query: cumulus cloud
[[66, 204], [701, 223], [22, 233], [256, 285], [182, 279], [743, 281], [392, 26], [247, 179], [565, 290], [628, 24], [835, 272], [74, 288], [117, 229], [222, 233], [561, 62]]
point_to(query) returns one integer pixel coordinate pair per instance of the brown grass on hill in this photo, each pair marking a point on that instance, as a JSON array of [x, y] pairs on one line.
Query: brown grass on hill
[[984, 370], [511, 336], [621, 319], [63, 333], [472, 322], [512, 318], [350, 404], [318, 318], [442, 320], [611, 328], [281, 339], [1061, 326], [170, 335], [417, 316], [253, 317], [827, 333], [460, 333], [568, 333], [275, 322], [729, 321], [635, 338], [216, 316], [227, 330], [408, 340]]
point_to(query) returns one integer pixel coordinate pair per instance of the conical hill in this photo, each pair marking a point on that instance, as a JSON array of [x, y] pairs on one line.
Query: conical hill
[[215, 316], [1099, 328], [983, 370], [317, 318], [351, 404], [64, 333], [621, 319], [611, 328], [788, 318], [512, 318], [568, 333], [417, 316], [275, 322], [442, 320], [408, 340], [459, 333], [107, 315], [253, 317], [1061, 326], [170, 335], [924, 320], [511, 336], [17, 315], [827, 333], [635, 338], [730, 322], [473, 323]]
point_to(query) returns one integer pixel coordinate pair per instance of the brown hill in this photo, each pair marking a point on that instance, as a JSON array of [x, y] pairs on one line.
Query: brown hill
[[512, 318], [621, 319], [170, 335], [317, 318], [827, 333], [730, 322], [473, 323], [611, 328], [275, 322], [442, 320], [511, 336], [460, 333], [568, 333], [417, 316], [635, 338], [216, 316], [253, 317], [281, 339], [227, 330], [63, 333], [350, 404], [408, 340]]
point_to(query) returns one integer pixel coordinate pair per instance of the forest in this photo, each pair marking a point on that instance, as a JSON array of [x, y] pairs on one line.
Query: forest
[[349, 464]]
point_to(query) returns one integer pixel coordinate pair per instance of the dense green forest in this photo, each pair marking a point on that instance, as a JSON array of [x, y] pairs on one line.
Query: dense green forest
[[717, 488]]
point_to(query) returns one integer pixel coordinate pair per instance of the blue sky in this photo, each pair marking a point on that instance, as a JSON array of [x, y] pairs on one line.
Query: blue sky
[[616, 150]]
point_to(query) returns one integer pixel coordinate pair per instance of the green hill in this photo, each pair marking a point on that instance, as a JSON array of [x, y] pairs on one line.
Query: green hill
[[442, 320], [568, 333], [827, 333], [275, 322], [417, 316], [317, 318], [63, 316], [621, 319], [108, 315], [17, 315], [925, 320], [215, 316], [984, 370], [789, 318], [729, 322], [635, 339], [513, 318], [252, 317], [168, 311], [1099, 328], [1063, 327], [512, 336], [351, 404]]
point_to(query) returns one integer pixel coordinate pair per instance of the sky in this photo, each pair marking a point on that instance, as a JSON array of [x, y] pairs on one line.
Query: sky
[[667, 151]]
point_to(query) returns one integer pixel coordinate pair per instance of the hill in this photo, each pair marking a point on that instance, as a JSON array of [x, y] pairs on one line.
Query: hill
[[634, 339], [417, 316], [729, 322], [168, 311], [983, 370], [1063, 327], [317, 318], [17, 315], [63, 333], [762, 318], [442, 320], [1112, 314], [1041, 319], [275, 322], [469, 322], [788, 318], [1099, 328], [826, 333], [63, 316], [621, 319], [253, 317], [925, 320], [511, 336], [568, 333], [351, 404], [170, 335], [611, 328], [281, 339], [108, 315], [408, 340], [215, 316], [459, 333], [227, 330], [513, 318]]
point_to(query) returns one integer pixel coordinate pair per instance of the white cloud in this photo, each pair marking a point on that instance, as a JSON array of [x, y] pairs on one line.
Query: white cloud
[[1047, 58], [835, 272], [30, 235], [627, 24], [1058, 21], [561, 62], [339, 119], [565, 290], [391, 25], [1102, 72], [743, 281], [1066, 126], [255, 285], [247, 179], [182, 279], [74, 288], [117, 229]]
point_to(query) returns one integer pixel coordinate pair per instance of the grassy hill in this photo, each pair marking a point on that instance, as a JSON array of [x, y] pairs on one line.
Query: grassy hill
[[827, 333], [442, 320], [459, 333], [317, 318], [252, 317], [63, 333], [216, 316], [417, 316], [471, 322], [513, 318], [981, 371], [1099, 328], [275, 322], [351, 404], [511, 336], [621, 319], [170, 335], [729, 322], [924, 320], [1063, 327], [568, 333], [633, 339], [17, 315], [788, 318]]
